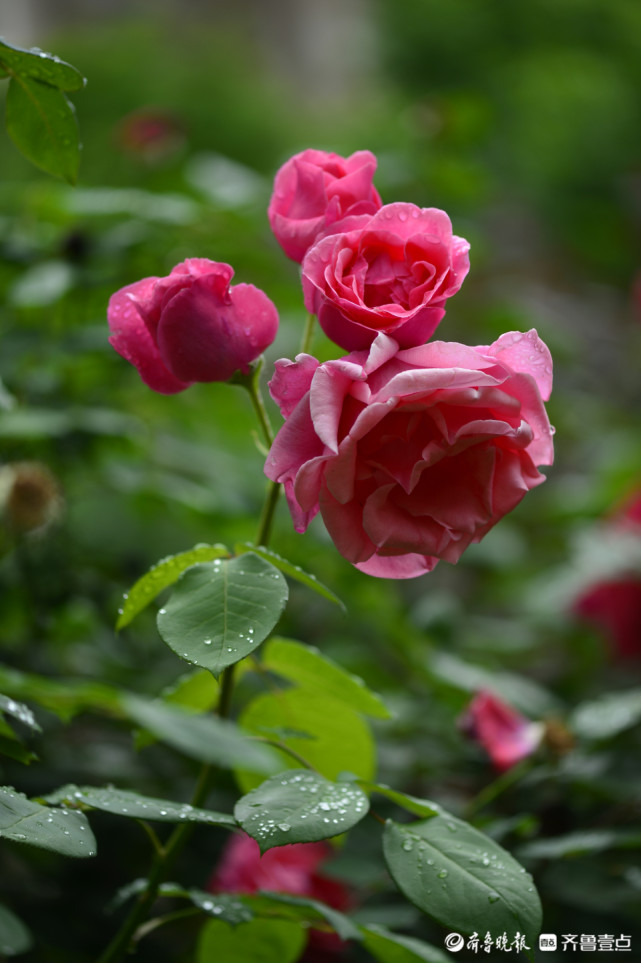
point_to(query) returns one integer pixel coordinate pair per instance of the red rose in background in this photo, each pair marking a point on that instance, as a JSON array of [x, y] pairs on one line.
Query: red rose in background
[[314, 190], [614, 604], [504, 733], [294, 869], [191, 325], [391, 272], [412, 455]]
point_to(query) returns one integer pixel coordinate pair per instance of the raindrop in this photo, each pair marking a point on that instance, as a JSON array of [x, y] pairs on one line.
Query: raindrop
[[408, 845], [442, 874], [493, 898]]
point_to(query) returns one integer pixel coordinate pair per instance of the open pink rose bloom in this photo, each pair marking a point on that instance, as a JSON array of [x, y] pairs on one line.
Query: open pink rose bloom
[[391, 272], [504, 733], [314, 190], [191, 325], [411, 455]]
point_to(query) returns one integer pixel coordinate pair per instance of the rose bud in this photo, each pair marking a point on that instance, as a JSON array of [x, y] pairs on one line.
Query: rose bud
[[191, 325], [314, 190]]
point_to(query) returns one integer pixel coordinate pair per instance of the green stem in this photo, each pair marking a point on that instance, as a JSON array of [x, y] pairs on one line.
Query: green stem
[[251, 383], [498, 786], [267, 515], [288, 750], [167, 854], [308, 334]]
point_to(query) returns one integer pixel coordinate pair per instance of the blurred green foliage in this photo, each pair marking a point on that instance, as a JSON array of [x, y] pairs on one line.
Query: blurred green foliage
[[523, 122]]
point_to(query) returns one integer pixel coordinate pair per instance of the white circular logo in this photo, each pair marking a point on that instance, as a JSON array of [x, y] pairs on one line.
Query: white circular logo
[[454, 942]]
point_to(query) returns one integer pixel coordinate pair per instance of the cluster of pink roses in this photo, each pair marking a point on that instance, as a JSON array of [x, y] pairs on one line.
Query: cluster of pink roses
[[409, 450]]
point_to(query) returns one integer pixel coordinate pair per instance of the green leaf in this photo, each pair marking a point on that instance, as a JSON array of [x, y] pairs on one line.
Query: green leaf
[[42, 124], [195, 691], [411, 803], [337, 738], [303, 908], [461, 877], [308, 668], [580, 843], [258, 941], [41, 66], [299, 807], [201, 737], [15, 938], [228, 908], [19, 711], [221, 611], [60, 830], [123, 802], [161, 576], [607, 716], [526, 695], [389, 947], [294, 571], [63, 697], [11, 746]]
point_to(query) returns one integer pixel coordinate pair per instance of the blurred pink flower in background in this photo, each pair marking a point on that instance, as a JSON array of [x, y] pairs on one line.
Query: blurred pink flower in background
[[151, 134], [613, 604], [191, 325], [296, 869], [506, 735], [314, 190]]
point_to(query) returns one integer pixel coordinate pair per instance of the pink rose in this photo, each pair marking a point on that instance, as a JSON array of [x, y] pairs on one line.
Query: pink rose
[[314, 190], [390, 272], [504, 733], [190, 326], [412, 455]]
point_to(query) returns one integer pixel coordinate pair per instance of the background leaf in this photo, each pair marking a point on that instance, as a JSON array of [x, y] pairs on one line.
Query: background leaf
[[306, 666], [161, 576], [461, 877], [261, 941], [299, 807], [15, 938], [42, 124], [608, 715], [388, 947], [221, 611], [60, 830], [337, 738], [201, 737]]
